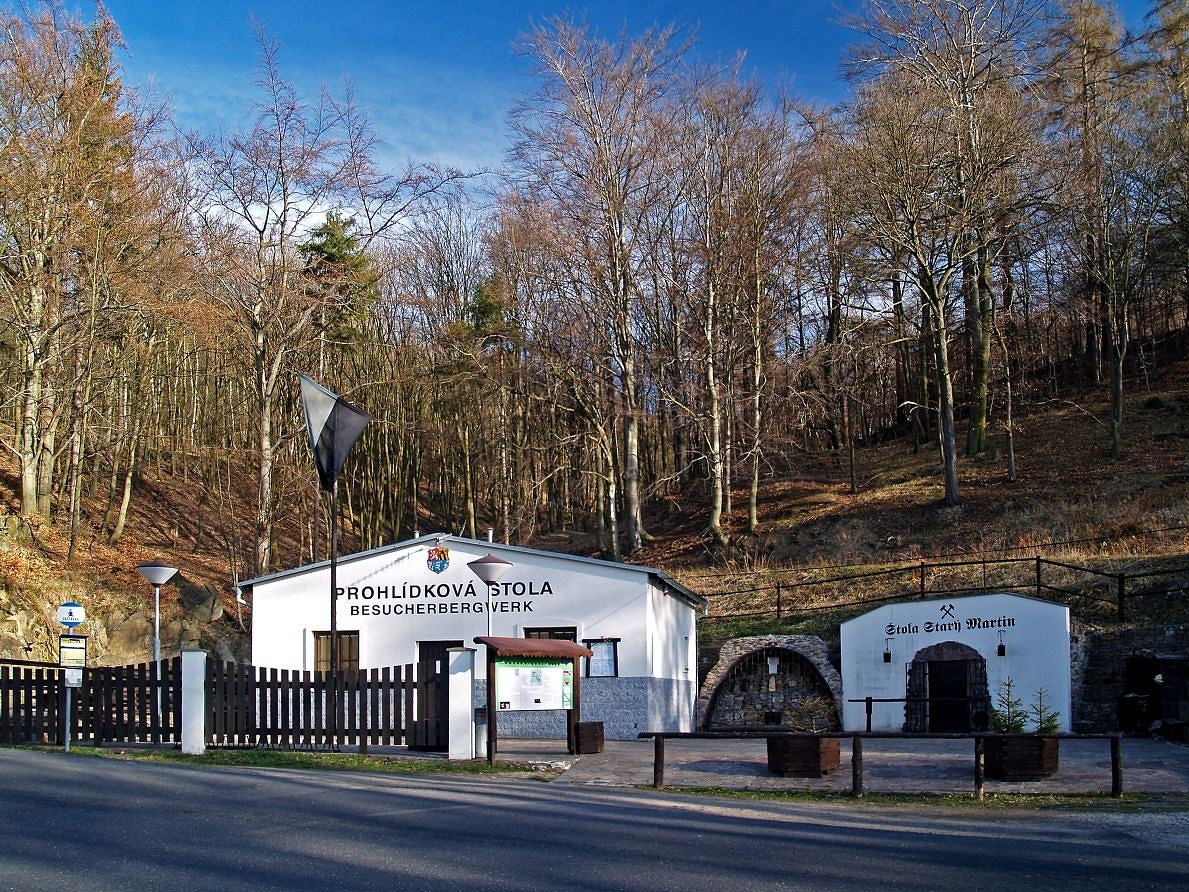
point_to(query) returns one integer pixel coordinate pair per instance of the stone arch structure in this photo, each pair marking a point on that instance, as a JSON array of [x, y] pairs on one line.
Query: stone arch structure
[[740, 692], [946, 689]]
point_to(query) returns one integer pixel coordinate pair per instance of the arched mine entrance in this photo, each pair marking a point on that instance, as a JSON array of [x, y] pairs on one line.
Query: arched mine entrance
[[771, 683], [947, 690]]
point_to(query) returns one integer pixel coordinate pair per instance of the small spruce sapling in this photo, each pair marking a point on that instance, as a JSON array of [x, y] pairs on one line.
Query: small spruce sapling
[[1045, 719], [1009, 715]]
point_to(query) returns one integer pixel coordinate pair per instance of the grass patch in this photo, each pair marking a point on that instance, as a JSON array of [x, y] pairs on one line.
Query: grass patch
[[311, 761]]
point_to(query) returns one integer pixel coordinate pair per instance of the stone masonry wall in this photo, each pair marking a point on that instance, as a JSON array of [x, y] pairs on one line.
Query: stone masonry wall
[[1099, 660], [809, 647]]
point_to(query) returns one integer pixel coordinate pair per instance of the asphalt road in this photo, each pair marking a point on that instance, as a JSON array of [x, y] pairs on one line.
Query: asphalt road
[[71, 822]]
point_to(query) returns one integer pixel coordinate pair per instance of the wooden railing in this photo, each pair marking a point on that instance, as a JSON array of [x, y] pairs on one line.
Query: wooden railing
[[857, 738]]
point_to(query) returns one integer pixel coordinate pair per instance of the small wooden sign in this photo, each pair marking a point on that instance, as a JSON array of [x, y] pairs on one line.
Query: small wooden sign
[[72, 651]]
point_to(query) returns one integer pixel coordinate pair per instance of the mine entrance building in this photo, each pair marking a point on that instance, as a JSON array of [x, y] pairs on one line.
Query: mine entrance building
[[411, 602], [939, 666]]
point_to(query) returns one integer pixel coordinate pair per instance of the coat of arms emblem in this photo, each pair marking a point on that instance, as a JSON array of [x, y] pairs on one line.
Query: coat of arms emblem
[[438, 558]]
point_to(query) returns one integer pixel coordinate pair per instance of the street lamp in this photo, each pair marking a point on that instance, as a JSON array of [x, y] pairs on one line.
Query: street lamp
[[157, 573], [490, 569]]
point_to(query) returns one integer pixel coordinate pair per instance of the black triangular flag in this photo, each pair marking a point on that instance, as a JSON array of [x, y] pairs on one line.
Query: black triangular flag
[[334, 426]]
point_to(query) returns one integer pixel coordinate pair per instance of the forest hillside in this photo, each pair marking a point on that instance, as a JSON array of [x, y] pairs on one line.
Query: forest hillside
[[694, 321], [1071, 502]]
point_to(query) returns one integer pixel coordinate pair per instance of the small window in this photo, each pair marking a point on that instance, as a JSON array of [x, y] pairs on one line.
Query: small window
[[555, 633], [605, 662], [348, 651]]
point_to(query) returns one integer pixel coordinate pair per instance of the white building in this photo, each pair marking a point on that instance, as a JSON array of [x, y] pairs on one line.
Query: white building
[[940, 665], [410, 601]]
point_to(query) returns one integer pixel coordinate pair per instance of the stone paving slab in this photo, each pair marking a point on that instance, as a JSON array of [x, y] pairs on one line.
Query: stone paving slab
[[890, 766]]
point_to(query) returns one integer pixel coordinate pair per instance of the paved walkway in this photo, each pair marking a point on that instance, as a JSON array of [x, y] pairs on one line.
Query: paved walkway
[[890, 766]]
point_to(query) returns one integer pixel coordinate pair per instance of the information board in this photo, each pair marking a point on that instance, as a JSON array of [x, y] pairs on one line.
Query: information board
[[72, 651], [528, 684]]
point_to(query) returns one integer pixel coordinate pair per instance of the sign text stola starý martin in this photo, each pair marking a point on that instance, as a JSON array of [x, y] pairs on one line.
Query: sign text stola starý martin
[[930, 627]]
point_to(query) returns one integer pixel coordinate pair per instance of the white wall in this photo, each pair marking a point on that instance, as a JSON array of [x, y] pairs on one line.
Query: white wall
[[674, 640], [390, 609], [1035, 635]]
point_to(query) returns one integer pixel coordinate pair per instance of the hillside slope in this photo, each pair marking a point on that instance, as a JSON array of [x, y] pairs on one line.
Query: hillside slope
[[1069, 499]]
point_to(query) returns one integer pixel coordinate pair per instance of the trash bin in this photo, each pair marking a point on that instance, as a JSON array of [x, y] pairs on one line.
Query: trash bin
[[589, 737]]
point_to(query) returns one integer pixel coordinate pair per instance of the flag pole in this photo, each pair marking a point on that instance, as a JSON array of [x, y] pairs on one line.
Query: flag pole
[[334, 612], [333, 425]]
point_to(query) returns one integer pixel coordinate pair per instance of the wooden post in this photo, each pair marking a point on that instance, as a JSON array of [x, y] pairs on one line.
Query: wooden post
[[491, 705], [572, 714], [868, 704], [658, 762], [980, 751], [359, 692], [778, 605], [1116, 766], [856, 764]]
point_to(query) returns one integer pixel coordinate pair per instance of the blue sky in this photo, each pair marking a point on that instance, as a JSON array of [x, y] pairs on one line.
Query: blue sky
[[438, 78]]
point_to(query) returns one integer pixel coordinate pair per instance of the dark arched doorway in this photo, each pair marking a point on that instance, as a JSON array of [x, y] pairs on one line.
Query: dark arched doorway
[[772, 688], [946, 690]]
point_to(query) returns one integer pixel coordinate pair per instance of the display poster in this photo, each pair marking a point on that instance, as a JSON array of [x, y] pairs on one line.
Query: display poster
[[72, 651], [527, 684]]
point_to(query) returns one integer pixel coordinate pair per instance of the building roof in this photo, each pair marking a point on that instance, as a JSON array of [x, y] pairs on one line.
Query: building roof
[[550, 648], [909, 601], [694, 600]]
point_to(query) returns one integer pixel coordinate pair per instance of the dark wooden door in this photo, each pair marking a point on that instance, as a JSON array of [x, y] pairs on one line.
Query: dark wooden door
[[431, 721], [949, 706]]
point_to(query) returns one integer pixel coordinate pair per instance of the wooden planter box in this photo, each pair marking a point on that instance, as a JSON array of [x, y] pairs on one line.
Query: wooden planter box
[[803, 756], [1028, 757]]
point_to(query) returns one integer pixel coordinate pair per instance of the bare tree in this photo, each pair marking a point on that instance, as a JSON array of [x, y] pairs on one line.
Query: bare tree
[[264, 190], [902, 198], [734, 171], [969, 56], [1092, 88], [73, 209], [586, 144]]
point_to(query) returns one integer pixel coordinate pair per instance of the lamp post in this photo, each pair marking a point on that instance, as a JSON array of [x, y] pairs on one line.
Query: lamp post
[[490, 569], [157, 573]]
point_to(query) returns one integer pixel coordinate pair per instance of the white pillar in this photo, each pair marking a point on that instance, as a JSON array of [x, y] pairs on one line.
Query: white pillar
[[462, 703], [194, 702]]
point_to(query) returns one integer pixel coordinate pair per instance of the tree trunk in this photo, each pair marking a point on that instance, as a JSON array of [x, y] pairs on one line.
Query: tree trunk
[[980, 354]]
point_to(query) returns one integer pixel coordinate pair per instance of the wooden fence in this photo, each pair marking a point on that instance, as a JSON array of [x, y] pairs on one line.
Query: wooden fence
[[115, 704], [30, 700], [291, 709], [246, 706]]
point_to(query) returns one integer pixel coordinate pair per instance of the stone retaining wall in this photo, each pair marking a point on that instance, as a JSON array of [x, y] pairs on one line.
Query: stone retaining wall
[[809, 647], [1099, 662]]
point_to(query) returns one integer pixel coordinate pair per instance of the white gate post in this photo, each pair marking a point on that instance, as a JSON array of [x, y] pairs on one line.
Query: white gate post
[[194, 702], [462, 703]]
